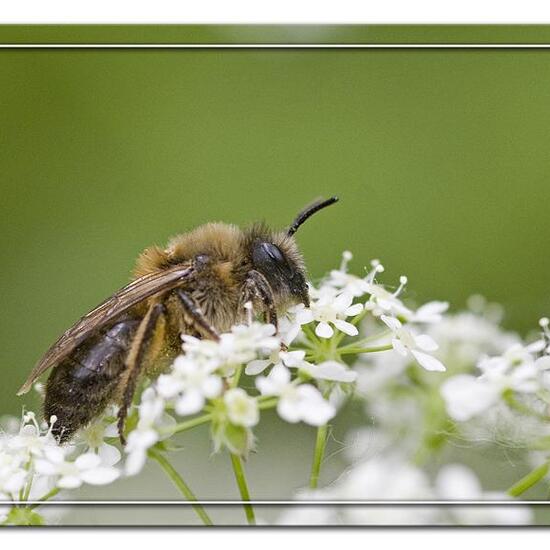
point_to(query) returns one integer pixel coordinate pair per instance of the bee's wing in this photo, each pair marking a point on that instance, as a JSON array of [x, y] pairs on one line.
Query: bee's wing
[[124, 299]]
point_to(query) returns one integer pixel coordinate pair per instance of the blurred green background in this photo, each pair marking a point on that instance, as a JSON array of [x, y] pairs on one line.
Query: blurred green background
[[440, 158]]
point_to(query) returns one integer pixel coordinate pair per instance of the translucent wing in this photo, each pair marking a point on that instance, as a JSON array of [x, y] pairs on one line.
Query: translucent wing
[[120, 302]]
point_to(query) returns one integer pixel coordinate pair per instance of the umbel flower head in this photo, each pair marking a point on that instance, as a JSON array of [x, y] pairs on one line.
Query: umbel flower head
[[304, 372]]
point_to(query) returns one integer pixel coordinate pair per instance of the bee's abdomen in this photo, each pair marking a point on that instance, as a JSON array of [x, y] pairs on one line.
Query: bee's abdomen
[[79, 388]]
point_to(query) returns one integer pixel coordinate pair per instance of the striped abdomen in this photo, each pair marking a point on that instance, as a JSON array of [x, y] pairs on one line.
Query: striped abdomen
[[80, 388]]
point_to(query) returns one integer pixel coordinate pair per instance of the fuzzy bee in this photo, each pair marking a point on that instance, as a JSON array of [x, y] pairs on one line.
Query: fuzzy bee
[[198, 286]]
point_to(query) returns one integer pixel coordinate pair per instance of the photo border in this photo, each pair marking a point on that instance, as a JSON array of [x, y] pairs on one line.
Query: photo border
[[299, 36]]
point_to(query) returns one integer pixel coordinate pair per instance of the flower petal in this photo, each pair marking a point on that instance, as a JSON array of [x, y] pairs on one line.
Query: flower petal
[[190, 402], [324, 330], [256, 367], [428, 362], [425, 342], [391, 322], [100, 476], [345, 327], [354, 310]]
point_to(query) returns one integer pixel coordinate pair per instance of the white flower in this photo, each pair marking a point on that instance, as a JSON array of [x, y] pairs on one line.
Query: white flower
[[277, 357], [464, 337], [93, 437], [152, 418], [290, 325], [329, 310], [19, 449], [242, 409], [190, 383], [405, 342], [383, 302], [429, 313], [30, 441], [241, 345], [385, 477], [457, 482], [13, 474], [87, 468], [516, 369], [380, 478], [332, 371], [328, 370], [467, 396], [346, 282], [139, 441], [296, 402]]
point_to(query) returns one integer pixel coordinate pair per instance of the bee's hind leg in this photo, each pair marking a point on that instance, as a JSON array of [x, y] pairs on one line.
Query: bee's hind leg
[[135, 359]]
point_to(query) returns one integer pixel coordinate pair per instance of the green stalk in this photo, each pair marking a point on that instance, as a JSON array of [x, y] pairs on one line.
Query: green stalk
[[372, 338], [268, 403], [236, 377], [243, 488], [180, 484], [357, 350], [320, 444], [311, 336], [526, 482], [47, 496], [28, 488], [188, 424]]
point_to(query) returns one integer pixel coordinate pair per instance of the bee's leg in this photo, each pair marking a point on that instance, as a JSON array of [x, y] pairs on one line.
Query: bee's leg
[[135, 359], [193, 311], [257, 286]]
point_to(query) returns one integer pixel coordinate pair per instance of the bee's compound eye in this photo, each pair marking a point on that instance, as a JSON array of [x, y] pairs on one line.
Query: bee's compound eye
[[267, 254]]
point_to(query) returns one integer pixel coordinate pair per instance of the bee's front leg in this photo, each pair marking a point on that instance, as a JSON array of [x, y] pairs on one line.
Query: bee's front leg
[[195, 314], [257, 286]]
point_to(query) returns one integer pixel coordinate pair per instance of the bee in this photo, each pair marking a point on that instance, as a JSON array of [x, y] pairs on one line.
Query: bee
[[198, 286]]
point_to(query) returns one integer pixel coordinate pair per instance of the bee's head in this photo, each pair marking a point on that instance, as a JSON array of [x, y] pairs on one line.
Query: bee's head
[[276, 256]]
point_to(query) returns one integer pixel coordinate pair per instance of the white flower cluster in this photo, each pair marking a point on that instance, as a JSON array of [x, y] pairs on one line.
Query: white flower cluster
[[407, 407], [33, 464], [391, 479], [521, 371], [302, 383], [420, 376]]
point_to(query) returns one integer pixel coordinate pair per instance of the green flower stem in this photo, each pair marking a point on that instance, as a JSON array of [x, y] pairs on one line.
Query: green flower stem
[[320, 444], [526, 482], [268, 403], [357, 350], [243, 488], [47, 496], [180, 484], [28, 488], [236, 377], [188, 424], [311, 336], [265, 402], [372, 338]]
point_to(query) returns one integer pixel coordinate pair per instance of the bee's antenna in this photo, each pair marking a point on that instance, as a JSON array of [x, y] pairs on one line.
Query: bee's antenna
[[307, 212]]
